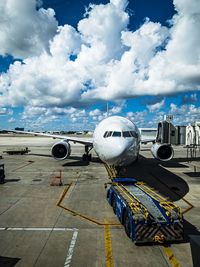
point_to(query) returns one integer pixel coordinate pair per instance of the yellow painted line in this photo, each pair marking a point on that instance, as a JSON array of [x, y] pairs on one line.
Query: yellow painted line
[[170, 255], [108, 245], [63, 194], [75, 213], [121, 188], [189, 208], [151, 192]]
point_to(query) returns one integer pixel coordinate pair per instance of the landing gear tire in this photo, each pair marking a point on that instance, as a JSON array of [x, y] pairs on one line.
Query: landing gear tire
[[86, 157], [127, 224], [89, 157]]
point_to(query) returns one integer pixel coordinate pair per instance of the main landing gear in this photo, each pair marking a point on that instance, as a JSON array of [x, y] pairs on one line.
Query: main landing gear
[[86, 156]]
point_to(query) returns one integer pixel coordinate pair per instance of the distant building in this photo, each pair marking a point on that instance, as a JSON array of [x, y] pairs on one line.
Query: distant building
[[193, 134]]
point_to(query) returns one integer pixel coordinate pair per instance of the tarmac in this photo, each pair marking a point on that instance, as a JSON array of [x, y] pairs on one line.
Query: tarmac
[[73, 224]]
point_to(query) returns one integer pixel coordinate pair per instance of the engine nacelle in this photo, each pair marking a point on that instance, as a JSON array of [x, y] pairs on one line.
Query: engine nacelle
[[163, 152], [61, 150]]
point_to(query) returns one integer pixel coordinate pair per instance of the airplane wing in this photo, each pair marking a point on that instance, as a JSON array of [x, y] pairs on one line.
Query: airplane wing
[[145, 141], [83, 141], [148, 135]]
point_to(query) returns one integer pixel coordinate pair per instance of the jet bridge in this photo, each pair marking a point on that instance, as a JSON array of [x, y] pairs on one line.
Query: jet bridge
[[166, 133], [189, 135]]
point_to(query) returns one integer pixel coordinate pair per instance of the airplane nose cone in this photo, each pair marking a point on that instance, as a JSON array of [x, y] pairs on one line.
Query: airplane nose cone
[[116, 152]]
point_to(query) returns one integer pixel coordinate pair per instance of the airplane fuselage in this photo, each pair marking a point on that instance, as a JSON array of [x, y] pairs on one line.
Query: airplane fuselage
[[116, 141]]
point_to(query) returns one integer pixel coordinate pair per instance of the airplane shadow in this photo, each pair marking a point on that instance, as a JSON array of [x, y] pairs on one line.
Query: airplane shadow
[[189, 229], [8, 261], [76, 163], [152, 173]]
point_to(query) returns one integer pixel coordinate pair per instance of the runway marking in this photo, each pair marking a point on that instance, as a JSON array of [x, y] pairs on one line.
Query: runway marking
[[169, 253], [36, 229], [108, 245], [72, 244], [71, 249], [59, 204]]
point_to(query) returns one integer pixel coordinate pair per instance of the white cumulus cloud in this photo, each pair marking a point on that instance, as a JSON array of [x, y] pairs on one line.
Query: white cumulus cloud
[[24, 30], [184, 114], [101, 59], [156, 107]]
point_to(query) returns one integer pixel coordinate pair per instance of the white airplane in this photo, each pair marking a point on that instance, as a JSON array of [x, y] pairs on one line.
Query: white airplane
[[116, 141]]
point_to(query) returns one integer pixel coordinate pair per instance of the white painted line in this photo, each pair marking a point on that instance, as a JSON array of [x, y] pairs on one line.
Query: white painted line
[[37, 229], [65, 229], [71, 249]]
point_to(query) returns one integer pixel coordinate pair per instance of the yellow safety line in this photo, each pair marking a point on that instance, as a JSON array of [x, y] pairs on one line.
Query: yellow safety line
[[124, 191], [189, 208], [108, 245], [59, 204], [149, 189], [63, 194], [172, 259]]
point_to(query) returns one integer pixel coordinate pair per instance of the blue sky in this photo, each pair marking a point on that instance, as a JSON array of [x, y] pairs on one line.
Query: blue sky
[[62, 62]]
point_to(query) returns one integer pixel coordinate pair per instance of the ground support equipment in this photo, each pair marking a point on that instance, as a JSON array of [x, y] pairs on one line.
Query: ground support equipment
[[146, 215], [17, 151]]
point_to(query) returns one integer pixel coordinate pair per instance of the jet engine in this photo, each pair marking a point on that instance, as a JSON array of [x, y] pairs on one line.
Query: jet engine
[[61, 150], [163, 152]]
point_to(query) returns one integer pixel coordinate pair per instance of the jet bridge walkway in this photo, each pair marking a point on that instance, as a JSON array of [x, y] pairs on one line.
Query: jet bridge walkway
[[146, 215]]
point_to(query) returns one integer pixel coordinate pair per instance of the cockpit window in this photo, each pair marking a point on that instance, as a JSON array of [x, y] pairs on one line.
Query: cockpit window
[[107, 134], [126, 134], [129, 134], [134, 134], [119, 134], [116, 134]]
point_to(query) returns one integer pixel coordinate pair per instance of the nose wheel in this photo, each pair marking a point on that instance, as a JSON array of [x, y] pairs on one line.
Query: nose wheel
[[86, 156]]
